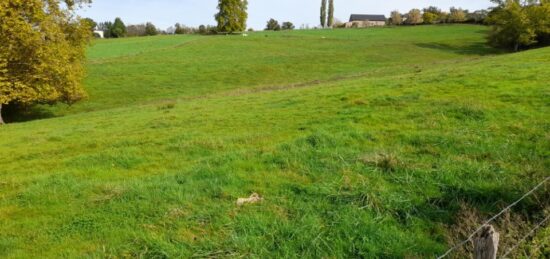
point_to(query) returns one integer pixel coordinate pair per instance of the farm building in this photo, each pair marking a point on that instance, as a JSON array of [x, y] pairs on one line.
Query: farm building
[[366, 20]]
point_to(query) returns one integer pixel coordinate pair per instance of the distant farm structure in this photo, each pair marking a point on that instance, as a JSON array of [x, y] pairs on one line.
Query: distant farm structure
[[366, 20], [99, 34]]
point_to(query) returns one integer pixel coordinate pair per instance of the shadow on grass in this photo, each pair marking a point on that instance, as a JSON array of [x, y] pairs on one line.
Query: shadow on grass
[[489, 201], [480, 48], [14, 113]]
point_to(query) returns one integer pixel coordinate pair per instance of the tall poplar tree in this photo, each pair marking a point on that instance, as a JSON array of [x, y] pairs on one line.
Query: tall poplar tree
[[42, 52], [232, 15], [330, 21], [323, 13]]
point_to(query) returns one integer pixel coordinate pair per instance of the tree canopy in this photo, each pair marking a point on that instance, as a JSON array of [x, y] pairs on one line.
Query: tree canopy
[[118, 29], [395, 18], [42, 50], [288, 26], [151, 29], [415, 17], [232, 15], [517, 24], [273, 25]]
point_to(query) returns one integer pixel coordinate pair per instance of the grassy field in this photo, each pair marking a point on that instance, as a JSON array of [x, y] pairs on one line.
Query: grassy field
[[390, 142]]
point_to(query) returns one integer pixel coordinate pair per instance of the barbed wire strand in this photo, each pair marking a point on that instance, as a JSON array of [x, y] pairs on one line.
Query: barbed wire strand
[[526, 236], [493, 218]]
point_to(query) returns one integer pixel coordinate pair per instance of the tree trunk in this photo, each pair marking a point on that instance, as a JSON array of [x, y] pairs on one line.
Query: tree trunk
[[1, 120]]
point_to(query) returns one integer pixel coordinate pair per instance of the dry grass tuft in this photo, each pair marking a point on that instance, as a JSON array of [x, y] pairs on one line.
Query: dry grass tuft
[[387, 162]]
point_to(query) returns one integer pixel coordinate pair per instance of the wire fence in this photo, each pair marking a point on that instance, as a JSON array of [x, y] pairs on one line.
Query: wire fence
[[470, 237], [525, 237]]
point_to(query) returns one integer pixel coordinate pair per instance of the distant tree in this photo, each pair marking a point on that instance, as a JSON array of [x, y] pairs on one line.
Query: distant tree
[[288, 26], [136, 30], [395, 18], [511, 27], [273, 25], [432, 9], [42, 52], [118, 29], [178, 29], [478, 16], [323, 13], [90, 23], [443, 17], [211, 29], [182, 29], [151, 29], [429, 18], [330, 20], [456, 15], [202, 29], [171, 30], [106, 27], [250, 29], [415, 17], [232, 15], [539, 15]]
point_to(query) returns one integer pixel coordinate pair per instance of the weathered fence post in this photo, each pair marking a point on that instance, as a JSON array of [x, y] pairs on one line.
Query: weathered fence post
[[486, 243]]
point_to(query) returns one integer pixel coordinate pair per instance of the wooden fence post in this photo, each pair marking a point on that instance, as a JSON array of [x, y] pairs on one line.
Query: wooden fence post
[[486, 243]]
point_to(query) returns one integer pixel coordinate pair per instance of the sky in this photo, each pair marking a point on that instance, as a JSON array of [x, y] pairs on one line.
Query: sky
[[165, 13]]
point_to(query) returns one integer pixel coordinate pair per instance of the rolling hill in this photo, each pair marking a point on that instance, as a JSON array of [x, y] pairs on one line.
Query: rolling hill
[[363, 143]]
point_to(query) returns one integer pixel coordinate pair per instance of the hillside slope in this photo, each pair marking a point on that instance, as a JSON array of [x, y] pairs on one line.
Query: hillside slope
[[373, 165], [138, 70]]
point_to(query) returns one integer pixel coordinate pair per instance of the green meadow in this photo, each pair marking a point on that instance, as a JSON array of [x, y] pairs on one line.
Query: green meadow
[[363, 143]]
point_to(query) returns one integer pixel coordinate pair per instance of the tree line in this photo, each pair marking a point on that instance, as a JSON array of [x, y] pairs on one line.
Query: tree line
[[327, 19], [434, 15], [118, 29], [515, 24]]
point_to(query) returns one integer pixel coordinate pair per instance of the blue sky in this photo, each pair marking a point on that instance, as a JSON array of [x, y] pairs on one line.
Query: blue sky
[[165, 13]]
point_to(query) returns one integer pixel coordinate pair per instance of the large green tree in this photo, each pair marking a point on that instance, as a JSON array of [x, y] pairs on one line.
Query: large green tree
[[232, 15], [42, 51], [323, 13]]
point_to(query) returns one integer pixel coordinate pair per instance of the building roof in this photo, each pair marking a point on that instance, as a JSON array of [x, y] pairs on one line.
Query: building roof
[[367, 17]]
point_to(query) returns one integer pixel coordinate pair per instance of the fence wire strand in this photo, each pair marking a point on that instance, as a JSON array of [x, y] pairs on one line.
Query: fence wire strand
[[493, 218], [525, 237]]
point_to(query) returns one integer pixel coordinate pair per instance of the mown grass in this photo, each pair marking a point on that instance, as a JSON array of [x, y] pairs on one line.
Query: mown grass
[[375, 165]]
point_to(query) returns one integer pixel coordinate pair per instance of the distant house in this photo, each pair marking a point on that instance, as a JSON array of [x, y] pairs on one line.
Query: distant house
[[366, 20], [99, 34]]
